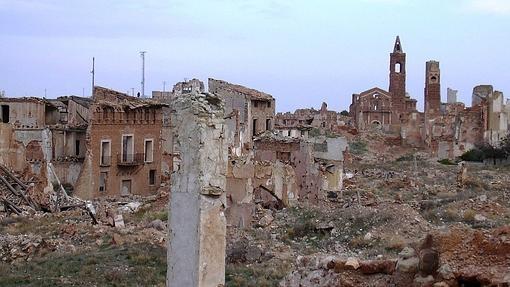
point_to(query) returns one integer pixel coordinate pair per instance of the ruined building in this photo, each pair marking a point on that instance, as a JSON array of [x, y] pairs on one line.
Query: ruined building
[[249, 112], [44, 141], [107, 145], [305, 121], [446, 129], [385, 109], [180, 88], [123, 146]]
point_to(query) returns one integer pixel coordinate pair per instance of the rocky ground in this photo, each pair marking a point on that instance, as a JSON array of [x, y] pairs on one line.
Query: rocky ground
[[401, 220], [66, 249]]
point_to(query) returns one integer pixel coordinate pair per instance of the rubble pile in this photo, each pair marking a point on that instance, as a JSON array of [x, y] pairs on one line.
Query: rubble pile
[[23, 247], [13, 193], [399, 222]]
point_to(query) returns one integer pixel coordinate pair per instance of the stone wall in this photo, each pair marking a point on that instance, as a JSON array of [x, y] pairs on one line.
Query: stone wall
[[196, 253]]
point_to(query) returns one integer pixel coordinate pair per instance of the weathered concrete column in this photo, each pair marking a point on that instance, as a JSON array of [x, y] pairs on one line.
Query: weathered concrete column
[[196, 253]]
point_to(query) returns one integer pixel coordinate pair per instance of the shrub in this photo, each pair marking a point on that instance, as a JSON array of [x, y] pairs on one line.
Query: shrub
[[358, 147], [473, 155], [407, 157], [469, 215], [314, 132], [359, 242], [446, 161], [395, 243]]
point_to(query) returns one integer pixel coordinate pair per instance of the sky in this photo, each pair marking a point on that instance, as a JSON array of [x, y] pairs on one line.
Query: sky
[[300, 51]]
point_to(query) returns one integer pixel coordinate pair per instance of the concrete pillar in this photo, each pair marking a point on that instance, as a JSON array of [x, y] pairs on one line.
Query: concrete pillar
[[196, 251]]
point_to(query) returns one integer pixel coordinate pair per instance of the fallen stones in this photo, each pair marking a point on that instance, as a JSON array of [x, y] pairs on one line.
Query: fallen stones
[[352, 263], [130, 207], [420, 281], [377, 266], [253, 254], [445, 271], [243, 252], [119, 221], [22, 247], [429, 261], [408, 265], [480, 218], [157, 224], [266, 220], [408, 262], [117, 239]]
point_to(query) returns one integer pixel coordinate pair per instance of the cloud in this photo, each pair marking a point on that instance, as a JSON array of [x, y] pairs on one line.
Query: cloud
[[500, 7]]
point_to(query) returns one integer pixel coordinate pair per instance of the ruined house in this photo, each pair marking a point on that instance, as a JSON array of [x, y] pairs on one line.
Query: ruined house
[[180, 88], [305, 121], [249, 112], [317, 162], [123, 146], [283, 171], [453, 129], [44, 141]]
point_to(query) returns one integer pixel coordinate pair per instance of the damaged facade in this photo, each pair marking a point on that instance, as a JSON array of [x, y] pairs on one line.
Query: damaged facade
[[107, 145], [123, 146], [446, 129], [44, 142], [248, 113], [271, 169], [305, 121], [385, 109]]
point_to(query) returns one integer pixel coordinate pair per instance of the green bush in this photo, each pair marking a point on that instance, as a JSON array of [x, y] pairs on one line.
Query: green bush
[[473, 155], [446, 161], [358, 147]]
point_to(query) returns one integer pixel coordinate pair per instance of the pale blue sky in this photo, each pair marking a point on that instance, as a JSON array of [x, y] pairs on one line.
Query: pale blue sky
[[302, 52]]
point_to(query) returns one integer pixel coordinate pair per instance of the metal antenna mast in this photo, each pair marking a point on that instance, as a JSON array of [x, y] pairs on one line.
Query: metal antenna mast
[[93, 74], [142, 54]]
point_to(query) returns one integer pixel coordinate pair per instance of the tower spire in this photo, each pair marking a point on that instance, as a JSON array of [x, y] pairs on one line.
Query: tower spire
[[398, 46]]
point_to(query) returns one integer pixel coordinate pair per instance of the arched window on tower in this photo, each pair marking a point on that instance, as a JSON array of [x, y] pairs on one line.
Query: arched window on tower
[[398, 68]]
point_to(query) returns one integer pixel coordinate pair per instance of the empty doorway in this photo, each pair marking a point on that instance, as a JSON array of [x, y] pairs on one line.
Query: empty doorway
[[125, 188]]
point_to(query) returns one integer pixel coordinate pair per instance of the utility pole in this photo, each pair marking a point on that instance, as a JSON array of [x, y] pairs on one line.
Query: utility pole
[[93, 74], [142, 54]]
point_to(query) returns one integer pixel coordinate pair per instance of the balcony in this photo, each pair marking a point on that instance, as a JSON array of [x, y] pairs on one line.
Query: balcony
[[130, 159]]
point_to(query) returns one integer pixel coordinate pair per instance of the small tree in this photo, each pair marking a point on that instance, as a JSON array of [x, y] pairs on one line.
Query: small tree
[[505, 145], [344, 113]]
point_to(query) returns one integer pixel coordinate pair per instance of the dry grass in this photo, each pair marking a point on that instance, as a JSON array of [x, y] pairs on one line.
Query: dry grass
[[469, 215]]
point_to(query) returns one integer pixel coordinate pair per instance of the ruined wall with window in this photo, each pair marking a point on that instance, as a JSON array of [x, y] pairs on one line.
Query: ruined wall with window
[[302, 121], [317, 162], [456, 131], [372, 109], [248, 111], [123, 146], [39, 142]]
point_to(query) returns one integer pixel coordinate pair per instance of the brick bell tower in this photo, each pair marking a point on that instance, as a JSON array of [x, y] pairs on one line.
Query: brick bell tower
[[398, 78], [432, 88]]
